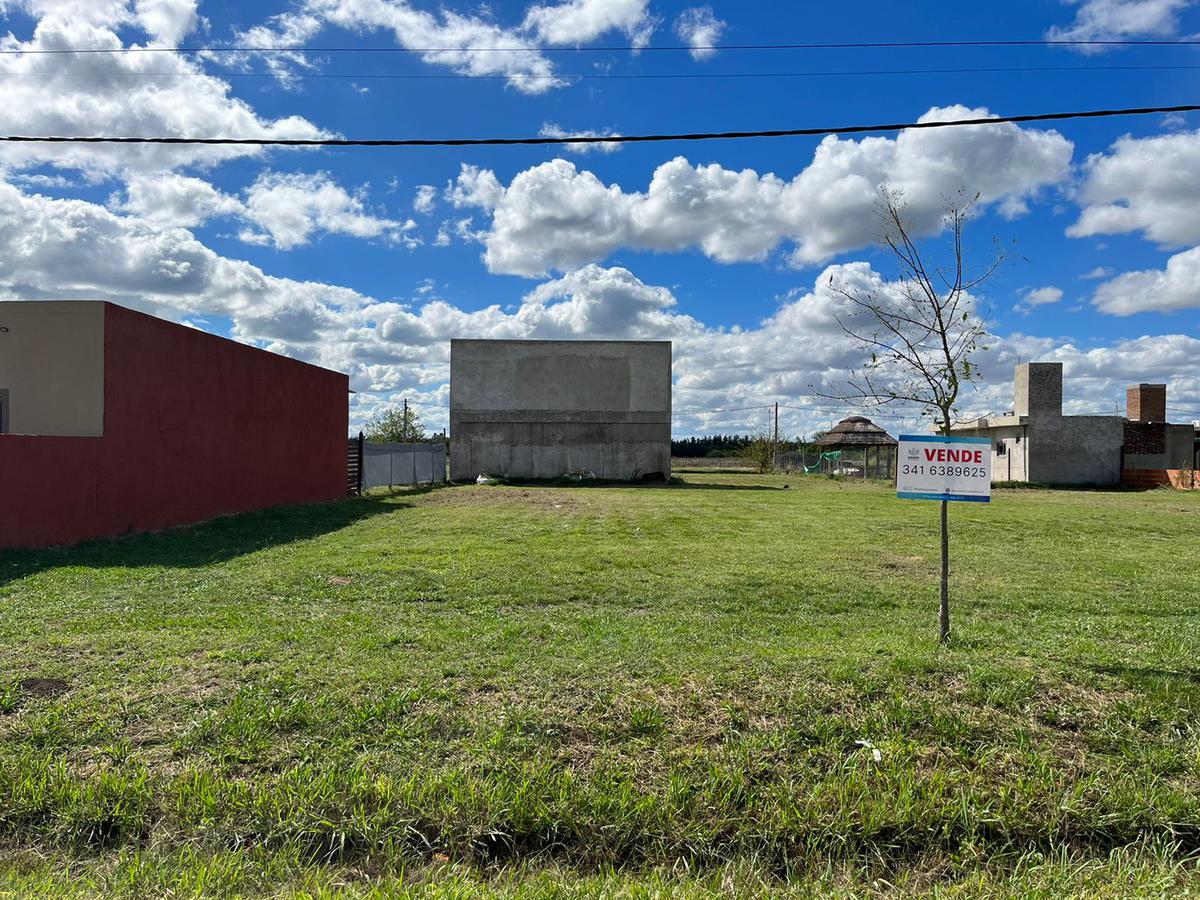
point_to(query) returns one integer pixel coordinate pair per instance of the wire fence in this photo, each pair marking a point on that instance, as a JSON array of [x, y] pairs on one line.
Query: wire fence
[[863, 462]]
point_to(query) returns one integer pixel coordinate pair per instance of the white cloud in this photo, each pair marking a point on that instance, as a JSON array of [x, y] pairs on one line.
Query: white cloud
[[1146, 185], [1106, 20], [1043, 296], [595, 300], [120, 94], [701, 30], [1165, 290], [72, 249], [577, 22], [1143, 184], [465, 44], [1173, 122], [425, 199], [475, 187], [281, 210], [167, 21], [553, 130], [551, 216], [555, 217], [1097, 273], [42, 180], [292, 29], [173, 200], [289, 208], [1035, 297]]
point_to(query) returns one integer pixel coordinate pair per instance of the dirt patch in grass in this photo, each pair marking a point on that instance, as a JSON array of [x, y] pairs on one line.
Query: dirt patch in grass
[[43, 687], [900, 563], [548, 499]]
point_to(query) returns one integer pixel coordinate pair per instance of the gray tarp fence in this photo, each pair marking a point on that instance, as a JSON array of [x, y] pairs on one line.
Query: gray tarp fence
[[385, 465]]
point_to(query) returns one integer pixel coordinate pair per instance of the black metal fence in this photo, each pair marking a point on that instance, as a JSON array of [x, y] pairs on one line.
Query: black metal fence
[[354, 464]]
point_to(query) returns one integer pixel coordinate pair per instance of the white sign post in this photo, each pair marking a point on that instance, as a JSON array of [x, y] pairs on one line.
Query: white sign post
[[932, 467]]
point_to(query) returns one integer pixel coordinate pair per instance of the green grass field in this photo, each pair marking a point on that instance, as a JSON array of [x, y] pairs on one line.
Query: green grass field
[[611, 691]]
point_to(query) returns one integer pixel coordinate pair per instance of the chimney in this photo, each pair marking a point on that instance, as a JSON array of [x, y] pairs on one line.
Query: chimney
[[1146, 403], [1037, 389]]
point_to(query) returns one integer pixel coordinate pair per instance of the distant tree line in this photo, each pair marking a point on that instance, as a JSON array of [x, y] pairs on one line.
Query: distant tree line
[[713, 446], [718, 446]]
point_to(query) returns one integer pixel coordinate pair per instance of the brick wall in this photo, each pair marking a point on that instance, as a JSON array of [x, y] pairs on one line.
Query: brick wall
[[1146, 403], [1180, 479], [1145, 438]]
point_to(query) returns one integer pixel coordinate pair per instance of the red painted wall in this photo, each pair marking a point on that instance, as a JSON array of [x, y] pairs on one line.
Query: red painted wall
[[194, 426]]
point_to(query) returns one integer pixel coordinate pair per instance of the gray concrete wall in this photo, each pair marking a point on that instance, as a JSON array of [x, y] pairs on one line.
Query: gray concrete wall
[[1076, 449], [1049, 449], [542, 409], [52, 367], [1181, 446]]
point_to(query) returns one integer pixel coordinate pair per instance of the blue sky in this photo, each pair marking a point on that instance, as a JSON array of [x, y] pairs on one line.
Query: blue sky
[[367, 257]]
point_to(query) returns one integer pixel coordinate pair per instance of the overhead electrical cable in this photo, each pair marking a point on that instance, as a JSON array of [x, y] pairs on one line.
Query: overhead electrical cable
[[595, 139], [703, 412], [665, 48], [586, 76]]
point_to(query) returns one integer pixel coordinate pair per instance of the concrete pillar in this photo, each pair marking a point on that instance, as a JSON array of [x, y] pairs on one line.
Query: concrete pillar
[[1037, 389]]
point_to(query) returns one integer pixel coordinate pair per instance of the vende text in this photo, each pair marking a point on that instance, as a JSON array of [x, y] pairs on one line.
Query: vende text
[[944, 455]]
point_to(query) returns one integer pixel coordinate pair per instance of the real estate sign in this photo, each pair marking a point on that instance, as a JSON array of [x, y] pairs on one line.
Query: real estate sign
[[932, 467]]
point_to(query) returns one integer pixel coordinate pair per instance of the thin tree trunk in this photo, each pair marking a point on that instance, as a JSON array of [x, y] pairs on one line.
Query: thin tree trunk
[[944, 609]]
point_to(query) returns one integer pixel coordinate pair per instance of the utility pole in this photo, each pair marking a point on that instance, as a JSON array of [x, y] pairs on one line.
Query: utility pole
[[404, 423], [775, 454]]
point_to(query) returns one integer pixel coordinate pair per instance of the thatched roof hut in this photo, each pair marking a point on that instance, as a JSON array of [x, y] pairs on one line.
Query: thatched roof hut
[[858, 446], [855, 432]]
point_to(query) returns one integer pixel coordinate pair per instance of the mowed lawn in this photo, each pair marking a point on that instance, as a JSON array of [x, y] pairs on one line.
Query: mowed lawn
[[611, 691]]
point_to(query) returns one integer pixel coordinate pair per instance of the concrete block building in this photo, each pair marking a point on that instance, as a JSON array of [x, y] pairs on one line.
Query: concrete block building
[[1035, 442], [114, 421], [545, 409]]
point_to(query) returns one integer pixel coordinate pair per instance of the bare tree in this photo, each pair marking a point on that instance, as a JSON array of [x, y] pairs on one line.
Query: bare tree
[[921, 330]]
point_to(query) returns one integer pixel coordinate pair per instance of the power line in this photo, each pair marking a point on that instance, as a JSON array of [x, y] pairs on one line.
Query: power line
[[665, 48], [830, 408], [596, 139], [587, 76], [705, 412], [878, 411]]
